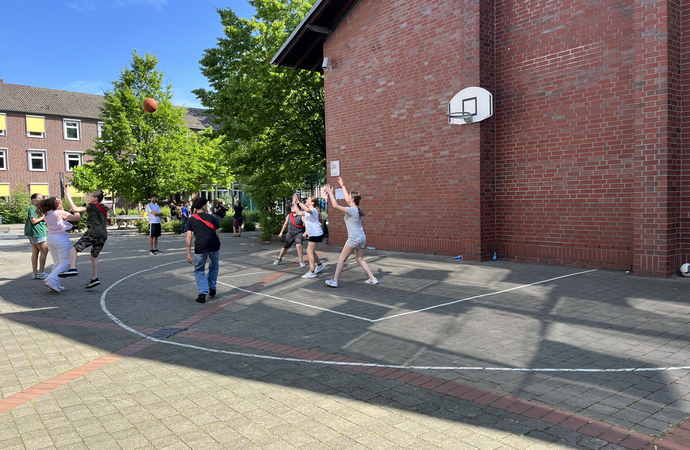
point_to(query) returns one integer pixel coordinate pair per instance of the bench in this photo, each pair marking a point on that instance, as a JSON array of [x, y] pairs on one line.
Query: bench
[[125, 220]]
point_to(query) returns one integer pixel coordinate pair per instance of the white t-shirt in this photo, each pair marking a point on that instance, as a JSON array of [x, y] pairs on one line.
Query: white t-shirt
[[354, 224], [153, 207], [311, 221]]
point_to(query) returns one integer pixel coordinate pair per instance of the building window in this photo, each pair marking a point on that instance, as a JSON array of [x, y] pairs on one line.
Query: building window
[[3, 159], [71, 129], [100, 129], [72, 160], [39, 188], [37, 160], [35, 126], [3, 124]]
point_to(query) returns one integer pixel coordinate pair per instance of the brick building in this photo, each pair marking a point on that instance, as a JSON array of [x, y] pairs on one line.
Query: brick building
[[46, 132], [586, 161]]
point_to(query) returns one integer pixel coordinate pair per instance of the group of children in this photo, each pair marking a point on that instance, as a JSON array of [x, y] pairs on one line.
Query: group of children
[[303, 222], [47, 228]]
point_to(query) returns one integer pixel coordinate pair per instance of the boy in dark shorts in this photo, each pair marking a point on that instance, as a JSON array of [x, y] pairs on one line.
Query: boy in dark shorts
[[295, 234], [95, 236]]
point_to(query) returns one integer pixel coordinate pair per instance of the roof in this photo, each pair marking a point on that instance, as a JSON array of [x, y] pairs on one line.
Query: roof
[[43, 101], [304, 48]]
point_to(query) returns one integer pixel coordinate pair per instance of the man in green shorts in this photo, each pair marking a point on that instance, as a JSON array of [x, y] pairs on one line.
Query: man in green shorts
[[95, 236]]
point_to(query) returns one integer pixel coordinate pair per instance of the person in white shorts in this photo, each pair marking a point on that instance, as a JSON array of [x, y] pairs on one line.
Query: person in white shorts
[[356, 239]]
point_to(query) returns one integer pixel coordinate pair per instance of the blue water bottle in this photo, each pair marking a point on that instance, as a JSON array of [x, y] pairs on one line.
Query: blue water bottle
[[495, 256]]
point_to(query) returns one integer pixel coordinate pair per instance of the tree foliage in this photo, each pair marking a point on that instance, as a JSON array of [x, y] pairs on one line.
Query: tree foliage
[[273, 118], [141, 153]]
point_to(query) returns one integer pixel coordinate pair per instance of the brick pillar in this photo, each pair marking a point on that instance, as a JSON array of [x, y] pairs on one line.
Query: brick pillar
[[656, 225]]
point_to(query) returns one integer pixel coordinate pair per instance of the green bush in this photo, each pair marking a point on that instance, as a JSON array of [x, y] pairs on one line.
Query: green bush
[[16, 209], [271, 221], [251, 216], [142, 225], [249, 225], [174, 226], [226, 224]]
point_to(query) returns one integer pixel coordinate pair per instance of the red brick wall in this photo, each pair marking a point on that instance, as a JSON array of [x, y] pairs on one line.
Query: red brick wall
[[17, 144], [684, 69], [396, 64], [582, 163]]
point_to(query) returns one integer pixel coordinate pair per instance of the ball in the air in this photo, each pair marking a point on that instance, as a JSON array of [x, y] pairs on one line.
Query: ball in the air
[[150, 105]]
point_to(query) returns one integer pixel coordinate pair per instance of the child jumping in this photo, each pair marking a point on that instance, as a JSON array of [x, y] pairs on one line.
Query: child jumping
[[315, 233], [295, 234], [57, 221], [356, 240], [95, 236]]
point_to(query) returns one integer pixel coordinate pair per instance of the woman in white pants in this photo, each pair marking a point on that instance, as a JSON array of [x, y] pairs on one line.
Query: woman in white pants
[[58, 240]]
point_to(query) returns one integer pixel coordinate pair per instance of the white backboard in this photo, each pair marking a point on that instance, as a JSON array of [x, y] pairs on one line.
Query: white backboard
[[475, 100]]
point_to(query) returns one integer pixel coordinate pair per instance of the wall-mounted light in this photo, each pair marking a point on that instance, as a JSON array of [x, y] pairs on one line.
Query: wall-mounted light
[[324, 64]]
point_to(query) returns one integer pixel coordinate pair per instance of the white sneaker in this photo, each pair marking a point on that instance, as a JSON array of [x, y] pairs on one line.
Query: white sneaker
[[302, 264], [319, 268], [276, 262], [309, 274], [52, 286], [42, 276], [61, 287], [34, 276], [372, 281], [332, 283]]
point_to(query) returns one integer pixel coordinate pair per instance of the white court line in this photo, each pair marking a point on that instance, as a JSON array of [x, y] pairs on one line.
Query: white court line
[[338, 363]]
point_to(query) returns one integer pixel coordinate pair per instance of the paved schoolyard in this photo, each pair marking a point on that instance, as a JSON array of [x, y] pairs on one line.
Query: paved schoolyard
[[442, 353]]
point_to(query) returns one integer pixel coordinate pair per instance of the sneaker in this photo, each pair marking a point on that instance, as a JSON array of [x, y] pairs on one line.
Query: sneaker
[[34, 276], [332, 283], [372, 281], [276, 262], [93, 283], [157, 252], [201, 298], [302, 264], [211, 292], [61, 287], [309, 274], [152, 252], [69, 273], [319, 268], [52, 286], [42, 276]]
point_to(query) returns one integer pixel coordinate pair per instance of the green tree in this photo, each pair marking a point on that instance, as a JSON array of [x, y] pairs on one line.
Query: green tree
[[273, 118], [140, 153]]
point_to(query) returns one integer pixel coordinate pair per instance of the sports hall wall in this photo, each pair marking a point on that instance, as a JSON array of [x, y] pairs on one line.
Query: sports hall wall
[[585, 161]]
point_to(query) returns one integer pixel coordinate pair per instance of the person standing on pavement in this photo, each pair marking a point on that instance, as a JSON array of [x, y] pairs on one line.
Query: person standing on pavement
[[95, 236], [206, 229], [295, 234], [356, 239], [315, 233], [237, 219], [185, 217], [35, 230], [57, 222], [154, 214]]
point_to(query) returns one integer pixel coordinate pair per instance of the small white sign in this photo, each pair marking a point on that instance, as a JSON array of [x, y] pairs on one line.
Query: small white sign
[[339, 194], [335, 168]]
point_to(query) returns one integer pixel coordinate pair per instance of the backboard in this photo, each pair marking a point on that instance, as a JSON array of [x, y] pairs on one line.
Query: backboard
[[476, 101]]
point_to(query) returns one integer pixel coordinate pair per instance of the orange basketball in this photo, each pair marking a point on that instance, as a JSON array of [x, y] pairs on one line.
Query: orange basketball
[[150, 105]]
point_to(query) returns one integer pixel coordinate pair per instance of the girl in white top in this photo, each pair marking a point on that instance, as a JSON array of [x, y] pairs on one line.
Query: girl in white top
[[315, 233], [58, 240], [356, 239]]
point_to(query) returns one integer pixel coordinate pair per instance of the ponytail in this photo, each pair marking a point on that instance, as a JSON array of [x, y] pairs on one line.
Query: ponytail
[[357, 197]]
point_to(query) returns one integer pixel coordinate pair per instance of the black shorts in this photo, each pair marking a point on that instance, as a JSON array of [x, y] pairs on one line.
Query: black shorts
[[293, 238], [154, 229], [316, 238], [90, 241]]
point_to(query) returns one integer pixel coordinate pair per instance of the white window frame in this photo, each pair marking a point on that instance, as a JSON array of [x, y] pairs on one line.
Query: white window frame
[[45, 159], [42, 135], [67, 158], [101, 125], [3, 152], [78, 127], [4, 132]]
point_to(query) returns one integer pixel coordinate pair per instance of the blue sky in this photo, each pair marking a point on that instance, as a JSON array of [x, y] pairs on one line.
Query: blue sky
[[81, 45]]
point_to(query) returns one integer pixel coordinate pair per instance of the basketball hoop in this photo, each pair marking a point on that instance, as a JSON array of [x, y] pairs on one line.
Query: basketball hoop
[[453, 116]]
